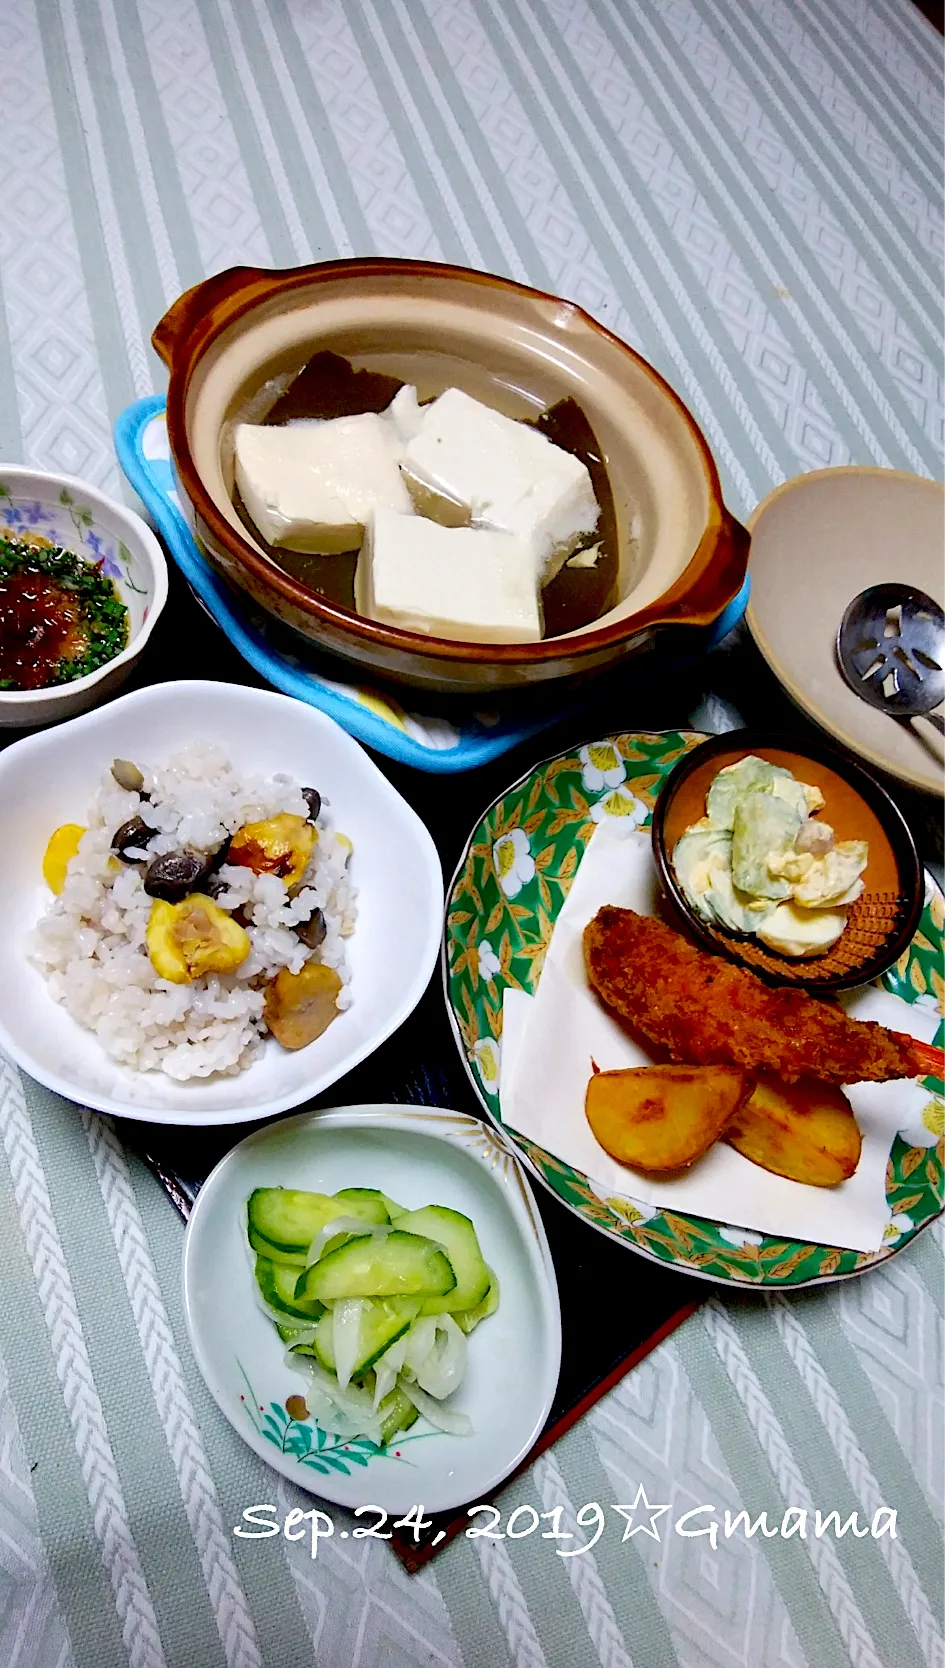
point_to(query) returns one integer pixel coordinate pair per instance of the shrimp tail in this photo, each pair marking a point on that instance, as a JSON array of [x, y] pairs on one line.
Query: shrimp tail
[[930, 1060]]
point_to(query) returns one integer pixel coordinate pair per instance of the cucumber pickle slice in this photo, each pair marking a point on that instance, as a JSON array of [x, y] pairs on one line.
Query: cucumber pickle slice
[[283, 1221], [383, 1321], [277, 1282], [456, 1234], [400, 1265]]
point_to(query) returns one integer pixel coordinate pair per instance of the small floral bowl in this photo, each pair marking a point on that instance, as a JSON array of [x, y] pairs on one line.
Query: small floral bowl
[[58, 510]]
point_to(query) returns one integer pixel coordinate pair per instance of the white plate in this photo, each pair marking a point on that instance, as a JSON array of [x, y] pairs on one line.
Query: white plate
[[418, 1156], [51, 778]]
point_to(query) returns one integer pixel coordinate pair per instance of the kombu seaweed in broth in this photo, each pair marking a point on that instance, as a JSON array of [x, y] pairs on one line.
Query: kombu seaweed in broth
[[576, 596], [328, 385]]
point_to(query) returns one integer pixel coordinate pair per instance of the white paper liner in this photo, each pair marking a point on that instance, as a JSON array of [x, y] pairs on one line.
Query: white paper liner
[[549, 1041]]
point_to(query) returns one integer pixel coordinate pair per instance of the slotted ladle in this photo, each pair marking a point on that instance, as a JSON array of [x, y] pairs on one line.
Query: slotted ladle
[[891, 650]]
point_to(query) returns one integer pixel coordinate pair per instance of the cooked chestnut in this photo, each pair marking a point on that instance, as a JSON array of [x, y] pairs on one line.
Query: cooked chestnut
[[313, 800], [300, 1006], [188, 939], [312, 932], [129, 842], [280, 845], [127, 775], [176, 873]]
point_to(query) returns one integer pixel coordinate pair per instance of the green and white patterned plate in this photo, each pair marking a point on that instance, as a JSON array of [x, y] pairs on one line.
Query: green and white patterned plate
[[503, 903]]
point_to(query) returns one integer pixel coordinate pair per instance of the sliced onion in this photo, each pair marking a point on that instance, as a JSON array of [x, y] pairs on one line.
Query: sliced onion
[[346, 1319], [344, 1225], [394, 1357], [320, 1406], [436, 1355], [455, 1424], [445, 1369], [305, 1334], [387, 1366], [353, 1409], [419, 1341], [384, 1380], [351, 1400]]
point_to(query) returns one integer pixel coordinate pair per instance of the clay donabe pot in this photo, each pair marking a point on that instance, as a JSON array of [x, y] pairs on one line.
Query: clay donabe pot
[[234, 343]]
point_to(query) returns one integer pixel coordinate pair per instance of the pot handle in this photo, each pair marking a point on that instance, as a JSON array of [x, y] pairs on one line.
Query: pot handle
[[195, 303], [723, 579]]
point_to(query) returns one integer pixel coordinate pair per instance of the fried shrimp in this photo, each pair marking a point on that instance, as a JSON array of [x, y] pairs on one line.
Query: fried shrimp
[[704, 1011]]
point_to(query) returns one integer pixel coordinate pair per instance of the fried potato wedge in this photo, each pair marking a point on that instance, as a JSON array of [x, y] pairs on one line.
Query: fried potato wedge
[[657, 1118], [804, 1130]]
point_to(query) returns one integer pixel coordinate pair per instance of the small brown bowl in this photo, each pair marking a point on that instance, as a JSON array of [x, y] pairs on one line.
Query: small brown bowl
[[882, 922], [234, 343]]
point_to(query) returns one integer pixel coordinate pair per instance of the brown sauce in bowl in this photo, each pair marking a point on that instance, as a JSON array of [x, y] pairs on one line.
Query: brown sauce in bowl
[[60, 617], [329, 385], [40, 625]]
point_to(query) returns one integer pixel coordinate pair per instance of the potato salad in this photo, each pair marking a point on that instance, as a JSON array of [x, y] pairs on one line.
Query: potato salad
[[761, 862]]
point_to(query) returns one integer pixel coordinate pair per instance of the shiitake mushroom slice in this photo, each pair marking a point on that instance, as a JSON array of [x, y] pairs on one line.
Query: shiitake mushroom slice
[[132, 836], [176, 873], [312, 932]]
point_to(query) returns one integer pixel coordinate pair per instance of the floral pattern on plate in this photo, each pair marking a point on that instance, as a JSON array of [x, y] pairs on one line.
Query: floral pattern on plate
[[508, 890], [67, 524], [290, 1428]]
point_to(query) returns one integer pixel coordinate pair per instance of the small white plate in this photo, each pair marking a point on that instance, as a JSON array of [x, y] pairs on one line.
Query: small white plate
[[419, 1156], [51, 778]]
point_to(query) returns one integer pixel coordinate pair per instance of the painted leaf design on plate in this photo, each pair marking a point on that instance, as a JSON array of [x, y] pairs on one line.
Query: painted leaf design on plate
[[911, 1161], [785, 1266], [567, 868], [534, 795], [680, 1229], [563, 819], [909, 1202], [470, 1024], [548, 780], [298, 1440]]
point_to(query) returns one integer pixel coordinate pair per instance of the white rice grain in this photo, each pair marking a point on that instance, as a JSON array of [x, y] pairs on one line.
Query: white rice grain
[[91, 942]]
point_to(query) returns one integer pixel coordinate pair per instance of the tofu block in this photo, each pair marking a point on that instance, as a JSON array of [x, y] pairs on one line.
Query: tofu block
[[469, 463], [406, 413], [466, 583], [312, 485]]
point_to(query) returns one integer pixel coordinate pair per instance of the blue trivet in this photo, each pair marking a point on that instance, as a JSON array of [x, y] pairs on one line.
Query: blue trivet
[[426, 740]]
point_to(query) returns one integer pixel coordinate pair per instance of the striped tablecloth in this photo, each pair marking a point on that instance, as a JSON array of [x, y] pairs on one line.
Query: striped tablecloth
[[749, 191]]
